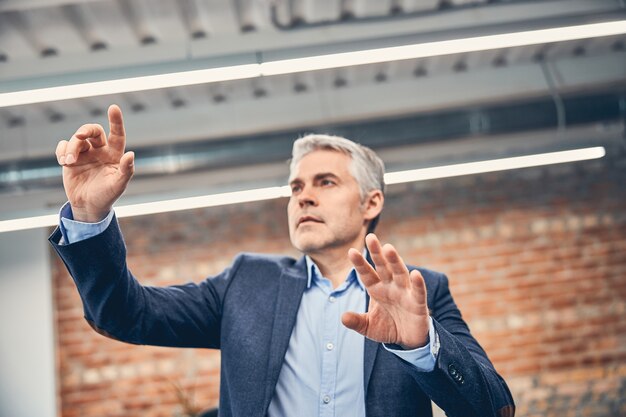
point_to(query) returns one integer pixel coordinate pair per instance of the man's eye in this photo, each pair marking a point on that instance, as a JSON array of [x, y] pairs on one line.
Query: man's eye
[[328, 182], [295, 189]]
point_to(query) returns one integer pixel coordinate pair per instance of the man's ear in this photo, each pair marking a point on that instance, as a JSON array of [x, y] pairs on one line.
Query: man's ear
[[373, 204]]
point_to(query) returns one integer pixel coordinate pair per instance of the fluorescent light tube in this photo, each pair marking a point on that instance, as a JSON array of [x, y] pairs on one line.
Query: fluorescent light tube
[[29, 223], [127, 85], [455, 46], [312, 63], [269, 193], [236, 197], [493, 165]]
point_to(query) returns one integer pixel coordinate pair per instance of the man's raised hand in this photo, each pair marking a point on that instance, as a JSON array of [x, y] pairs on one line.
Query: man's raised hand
[[96, 170], [398, 312]]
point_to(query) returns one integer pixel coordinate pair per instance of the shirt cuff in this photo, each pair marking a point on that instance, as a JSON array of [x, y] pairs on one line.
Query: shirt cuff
[[74, 231], [425, 357]]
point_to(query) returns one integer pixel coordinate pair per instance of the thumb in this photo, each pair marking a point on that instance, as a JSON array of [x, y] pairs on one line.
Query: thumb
[[355, 321], [127, 165]]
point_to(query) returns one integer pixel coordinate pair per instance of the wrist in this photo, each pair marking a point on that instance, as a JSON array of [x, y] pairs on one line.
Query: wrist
[[88, 216], [419, 340], [416, 345]]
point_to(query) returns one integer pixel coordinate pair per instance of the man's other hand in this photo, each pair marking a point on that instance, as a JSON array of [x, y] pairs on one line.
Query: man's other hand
[[96, 170], [398, 312]]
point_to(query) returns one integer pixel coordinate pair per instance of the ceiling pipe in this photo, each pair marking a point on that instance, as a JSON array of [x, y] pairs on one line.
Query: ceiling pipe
[[495, 119]]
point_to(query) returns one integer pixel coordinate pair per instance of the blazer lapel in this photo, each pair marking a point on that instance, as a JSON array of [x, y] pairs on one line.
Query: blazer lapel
[[371, 347], [369, 355], [291, 286]]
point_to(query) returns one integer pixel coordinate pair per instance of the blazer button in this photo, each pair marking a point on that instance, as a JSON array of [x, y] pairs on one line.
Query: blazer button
[[455, 374]]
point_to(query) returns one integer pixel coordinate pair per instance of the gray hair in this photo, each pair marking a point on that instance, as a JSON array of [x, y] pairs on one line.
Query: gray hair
[[366, 167]]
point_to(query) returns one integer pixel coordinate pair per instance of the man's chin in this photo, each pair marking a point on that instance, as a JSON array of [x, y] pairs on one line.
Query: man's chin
[[308, 246], [307, 249]]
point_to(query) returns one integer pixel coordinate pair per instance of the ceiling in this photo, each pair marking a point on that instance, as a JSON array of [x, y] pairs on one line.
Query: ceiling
[[237, 134]]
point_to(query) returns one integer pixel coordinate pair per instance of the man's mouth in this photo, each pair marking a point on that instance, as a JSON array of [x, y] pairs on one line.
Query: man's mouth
[[309, 219]]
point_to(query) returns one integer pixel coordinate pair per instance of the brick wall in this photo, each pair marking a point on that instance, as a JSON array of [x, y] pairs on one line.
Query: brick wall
[[536, 261]]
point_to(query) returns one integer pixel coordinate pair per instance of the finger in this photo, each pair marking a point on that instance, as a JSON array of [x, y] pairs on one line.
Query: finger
[[60, 152], [355, 321], [418, 286], [398, 269], [73, 148], [94, 133], [127, 165], [117, 133], [375, 250], [367, 274]]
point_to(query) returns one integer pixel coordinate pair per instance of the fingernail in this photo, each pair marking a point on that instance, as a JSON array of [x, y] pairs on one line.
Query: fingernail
[[69, 159], [62, 160]]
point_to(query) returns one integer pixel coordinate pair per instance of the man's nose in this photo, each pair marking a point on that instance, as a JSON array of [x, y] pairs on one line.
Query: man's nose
[[307, 198]]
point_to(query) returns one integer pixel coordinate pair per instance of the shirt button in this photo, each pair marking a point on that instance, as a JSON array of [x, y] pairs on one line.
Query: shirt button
[[332, 299], [326, 399], [330, 346]]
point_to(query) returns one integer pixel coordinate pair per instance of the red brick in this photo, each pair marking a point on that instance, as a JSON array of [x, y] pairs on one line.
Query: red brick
[[535, 260]]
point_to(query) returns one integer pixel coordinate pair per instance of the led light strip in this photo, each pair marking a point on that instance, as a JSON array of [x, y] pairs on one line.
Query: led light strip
[[288, 66], [260, 194], [493, 165]]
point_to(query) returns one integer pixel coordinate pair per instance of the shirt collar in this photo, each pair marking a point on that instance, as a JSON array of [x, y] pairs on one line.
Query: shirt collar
[[313, 272]]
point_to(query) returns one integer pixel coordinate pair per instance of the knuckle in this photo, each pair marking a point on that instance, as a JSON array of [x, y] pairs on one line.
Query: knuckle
[[91, 129]]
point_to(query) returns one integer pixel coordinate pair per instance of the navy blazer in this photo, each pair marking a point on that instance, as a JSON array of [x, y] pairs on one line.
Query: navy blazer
[[249, 310]]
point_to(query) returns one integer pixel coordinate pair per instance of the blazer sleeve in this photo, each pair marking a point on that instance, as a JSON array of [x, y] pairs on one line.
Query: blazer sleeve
[[464, 382], [117, 306]]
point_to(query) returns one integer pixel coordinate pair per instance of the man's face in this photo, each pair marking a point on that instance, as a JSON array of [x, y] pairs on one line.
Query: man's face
[[325, 210]]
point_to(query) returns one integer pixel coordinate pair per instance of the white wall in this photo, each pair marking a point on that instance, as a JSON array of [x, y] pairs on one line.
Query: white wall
[[27, 367]]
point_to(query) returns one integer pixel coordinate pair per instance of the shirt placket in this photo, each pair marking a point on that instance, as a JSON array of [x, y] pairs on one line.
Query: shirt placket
[[329, 356]]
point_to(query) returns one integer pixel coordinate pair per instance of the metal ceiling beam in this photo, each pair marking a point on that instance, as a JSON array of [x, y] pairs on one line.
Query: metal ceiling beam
[[22, 5], [229, 49], [194, 16], [437, 127], [323, 103], [35, 202]]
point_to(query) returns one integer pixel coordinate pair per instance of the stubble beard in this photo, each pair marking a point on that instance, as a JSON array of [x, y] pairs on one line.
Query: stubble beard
[[310, 245]]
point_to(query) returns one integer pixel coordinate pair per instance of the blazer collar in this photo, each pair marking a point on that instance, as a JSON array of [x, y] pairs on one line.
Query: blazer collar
[[291, 286], [311, 267]]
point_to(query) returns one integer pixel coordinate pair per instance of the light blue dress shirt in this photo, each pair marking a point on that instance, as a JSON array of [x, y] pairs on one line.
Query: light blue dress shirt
[[75, 231], [322, 374]]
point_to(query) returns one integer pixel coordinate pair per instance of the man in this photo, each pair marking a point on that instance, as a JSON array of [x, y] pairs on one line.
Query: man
[[275, 319]]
